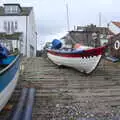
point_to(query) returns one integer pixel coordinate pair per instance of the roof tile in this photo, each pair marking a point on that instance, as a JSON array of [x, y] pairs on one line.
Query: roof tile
[[116, 23]]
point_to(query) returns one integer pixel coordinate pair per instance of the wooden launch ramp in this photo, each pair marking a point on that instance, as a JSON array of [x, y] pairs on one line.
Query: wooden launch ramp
[[66, 94]]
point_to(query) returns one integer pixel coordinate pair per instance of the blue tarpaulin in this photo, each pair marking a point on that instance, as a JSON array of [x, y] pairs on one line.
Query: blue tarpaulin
[[3, 52], [56, 44]]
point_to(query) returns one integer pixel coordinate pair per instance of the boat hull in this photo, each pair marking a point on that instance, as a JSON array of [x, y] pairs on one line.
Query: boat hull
[[85, 62], [8, 80]]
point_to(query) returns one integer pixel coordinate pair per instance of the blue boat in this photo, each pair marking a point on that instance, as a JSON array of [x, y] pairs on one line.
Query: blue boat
[[9, 73]]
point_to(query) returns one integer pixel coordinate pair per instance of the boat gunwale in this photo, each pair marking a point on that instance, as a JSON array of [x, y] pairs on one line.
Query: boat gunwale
[[10, 65], [84, 53]]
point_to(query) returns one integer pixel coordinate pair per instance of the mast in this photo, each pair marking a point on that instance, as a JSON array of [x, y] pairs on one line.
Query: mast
[[99, 19], [67, 15]]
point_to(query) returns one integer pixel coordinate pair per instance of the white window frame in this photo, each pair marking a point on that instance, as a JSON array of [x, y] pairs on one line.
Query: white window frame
[[11, 9]]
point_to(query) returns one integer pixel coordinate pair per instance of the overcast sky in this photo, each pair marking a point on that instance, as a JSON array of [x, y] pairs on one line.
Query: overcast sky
[[51, 17]]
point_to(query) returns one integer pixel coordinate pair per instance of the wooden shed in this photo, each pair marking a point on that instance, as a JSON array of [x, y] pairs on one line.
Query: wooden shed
[[82, 37], [87, 35]]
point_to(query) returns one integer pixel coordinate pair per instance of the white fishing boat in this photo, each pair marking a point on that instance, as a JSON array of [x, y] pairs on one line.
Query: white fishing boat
[[85, 60]]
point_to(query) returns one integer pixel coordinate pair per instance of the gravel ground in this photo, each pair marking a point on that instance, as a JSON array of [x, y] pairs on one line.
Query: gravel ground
[[65, 94]]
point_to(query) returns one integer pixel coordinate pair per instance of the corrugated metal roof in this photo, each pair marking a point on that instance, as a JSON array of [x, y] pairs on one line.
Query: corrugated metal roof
[[25, 11], [116, 23]]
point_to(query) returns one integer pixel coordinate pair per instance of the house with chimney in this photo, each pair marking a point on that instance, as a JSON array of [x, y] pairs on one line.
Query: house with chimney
[[114, 40], [17, 22]]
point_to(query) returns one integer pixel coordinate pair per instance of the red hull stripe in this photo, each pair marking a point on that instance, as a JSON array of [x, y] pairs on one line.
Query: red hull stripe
[[86, 53]]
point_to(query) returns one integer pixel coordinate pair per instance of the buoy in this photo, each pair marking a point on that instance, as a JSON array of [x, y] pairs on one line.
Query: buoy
[[77, 46], [117, 45]]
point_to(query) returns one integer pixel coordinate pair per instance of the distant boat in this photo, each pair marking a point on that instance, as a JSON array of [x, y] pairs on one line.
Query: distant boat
[[9, 72], [85, 60]]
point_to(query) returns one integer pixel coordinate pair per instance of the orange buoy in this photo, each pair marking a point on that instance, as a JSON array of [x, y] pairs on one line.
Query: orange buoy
[[77, 46]]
